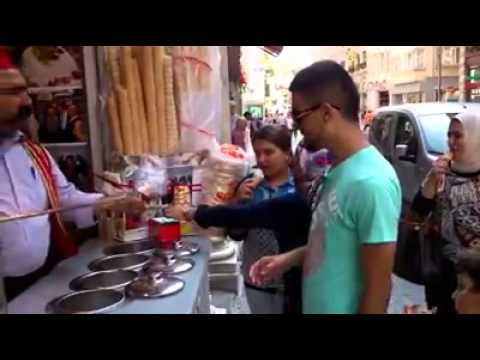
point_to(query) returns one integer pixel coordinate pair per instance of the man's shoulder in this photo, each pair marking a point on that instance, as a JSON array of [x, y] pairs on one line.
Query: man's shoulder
[[370, 167]]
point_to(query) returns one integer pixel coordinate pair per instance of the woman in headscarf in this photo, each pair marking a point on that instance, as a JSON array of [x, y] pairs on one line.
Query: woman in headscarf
[[451, 194]]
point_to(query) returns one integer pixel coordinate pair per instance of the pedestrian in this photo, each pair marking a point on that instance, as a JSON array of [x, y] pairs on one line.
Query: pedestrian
[[347, 264], [251, 123], [450, 194], [273, 152], [238, 134], [467, 294]]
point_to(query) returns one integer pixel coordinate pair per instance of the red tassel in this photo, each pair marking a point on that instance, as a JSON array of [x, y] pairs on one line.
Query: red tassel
[[5, 59]]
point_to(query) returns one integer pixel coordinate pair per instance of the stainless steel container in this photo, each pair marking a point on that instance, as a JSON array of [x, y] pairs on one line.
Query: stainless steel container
[[86, 302], [136, 247], [169, 263], [104, 280], [120, 262]]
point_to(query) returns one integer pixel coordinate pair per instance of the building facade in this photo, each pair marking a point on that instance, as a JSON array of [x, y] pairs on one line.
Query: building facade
[[391, 75], [417, 75], [470, 73]]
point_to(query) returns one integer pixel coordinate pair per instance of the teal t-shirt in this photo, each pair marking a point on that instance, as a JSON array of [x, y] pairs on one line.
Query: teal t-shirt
[[359, 203]]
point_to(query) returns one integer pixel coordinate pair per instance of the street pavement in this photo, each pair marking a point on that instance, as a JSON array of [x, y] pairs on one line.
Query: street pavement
[[403, 293]]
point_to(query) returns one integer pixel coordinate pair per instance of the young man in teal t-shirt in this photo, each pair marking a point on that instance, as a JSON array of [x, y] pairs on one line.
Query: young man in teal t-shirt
[[348, 261]]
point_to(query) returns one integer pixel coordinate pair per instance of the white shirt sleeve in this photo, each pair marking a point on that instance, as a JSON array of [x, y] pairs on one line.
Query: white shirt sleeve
[[71, 196]]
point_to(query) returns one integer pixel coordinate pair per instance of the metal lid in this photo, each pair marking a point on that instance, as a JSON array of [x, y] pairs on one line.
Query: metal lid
[[86, 302], [169, 263], [154, 286], [183, 248], [120, 262], [134, 247], [103, 280]]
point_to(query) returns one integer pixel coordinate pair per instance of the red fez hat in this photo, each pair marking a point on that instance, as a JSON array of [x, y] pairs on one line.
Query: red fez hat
[[5, 59]]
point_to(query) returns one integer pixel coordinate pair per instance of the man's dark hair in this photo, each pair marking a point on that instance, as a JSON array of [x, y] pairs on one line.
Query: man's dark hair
[[327, 81], [469, 263], [277, 135], [247, 114]]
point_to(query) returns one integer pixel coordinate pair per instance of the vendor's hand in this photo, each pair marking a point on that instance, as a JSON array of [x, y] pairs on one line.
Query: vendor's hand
[[131, 205], [245, 190], [176, 212], [268, 268]]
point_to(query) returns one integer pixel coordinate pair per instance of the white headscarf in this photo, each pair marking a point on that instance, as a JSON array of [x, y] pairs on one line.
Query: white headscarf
[[470, 161]]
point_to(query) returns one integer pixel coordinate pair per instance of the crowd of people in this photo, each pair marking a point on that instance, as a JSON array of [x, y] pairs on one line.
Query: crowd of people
[[240, 124], [336, 229]]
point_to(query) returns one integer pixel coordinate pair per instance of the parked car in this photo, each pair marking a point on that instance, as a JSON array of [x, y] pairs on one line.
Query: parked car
[[412, 136]]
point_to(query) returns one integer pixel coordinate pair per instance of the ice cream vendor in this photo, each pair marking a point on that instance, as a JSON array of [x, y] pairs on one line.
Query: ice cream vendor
[[31, 181]]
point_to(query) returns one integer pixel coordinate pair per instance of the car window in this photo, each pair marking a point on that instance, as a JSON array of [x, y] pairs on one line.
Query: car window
[[435, 129], [381, 131], [405, 134]]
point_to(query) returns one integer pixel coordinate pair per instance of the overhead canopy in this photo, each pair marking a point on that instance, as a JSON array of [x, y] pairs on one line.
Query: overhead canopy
[[272, 50]]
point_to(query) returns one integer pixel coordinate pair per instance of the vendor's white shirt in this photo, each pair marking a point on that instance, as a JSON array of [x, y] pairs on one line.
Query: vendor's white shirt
[[24, 244]]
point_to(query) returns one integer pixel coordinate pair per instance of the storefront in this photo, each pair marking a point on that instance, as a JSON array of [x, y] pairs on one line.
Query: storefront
[[472, 72], [407, 93], [378, 94], [449, 89], [472, 85]]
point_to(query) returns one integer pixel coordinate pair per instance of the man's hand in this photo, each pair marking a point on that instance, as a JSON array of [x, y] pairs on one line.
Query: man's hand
[[177, 212], [377, 266], [245, 190], [269, 268]]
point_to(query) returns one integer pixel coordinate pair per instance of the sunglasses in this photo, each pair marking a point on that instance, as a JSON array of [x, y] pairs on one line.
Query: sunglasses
[[297, 116]]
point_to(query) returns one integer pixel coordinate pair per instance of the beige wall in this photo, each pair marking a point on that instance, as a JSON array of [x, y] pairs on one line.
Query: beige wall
[[403, 73]]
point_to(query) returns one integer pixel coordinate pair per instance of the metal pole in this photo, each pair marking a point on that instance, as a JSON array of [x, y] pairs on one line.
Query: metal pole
[[439, 96]]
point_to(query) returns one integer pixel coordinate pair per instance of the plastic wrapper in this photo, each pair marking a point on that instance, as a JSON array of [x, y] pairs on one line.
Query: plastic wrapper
[[198, 95], [223, 170], [226, 166], [147, 174]]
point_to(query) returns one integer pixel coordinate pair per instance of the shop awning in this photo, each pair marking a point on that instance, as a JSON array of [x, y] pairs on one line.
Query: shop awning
[[272, 50], [470, 86]]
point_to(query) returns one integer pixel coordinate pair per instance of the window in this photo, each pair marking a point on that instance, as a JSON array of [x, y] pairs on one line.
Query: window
[[416, 59], [435, 129], [405, 135], [420, 54], [363, 61], [381, 131], [382, 62], [450, 55]]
